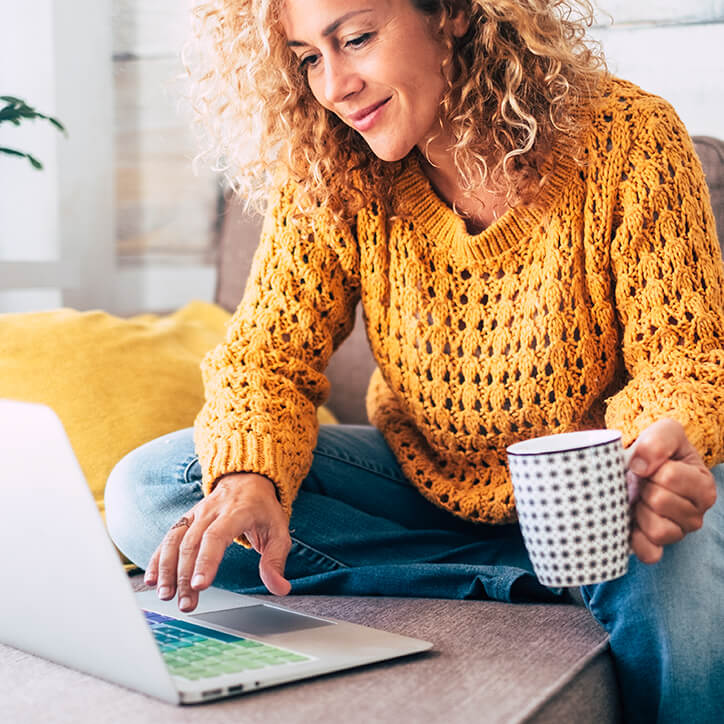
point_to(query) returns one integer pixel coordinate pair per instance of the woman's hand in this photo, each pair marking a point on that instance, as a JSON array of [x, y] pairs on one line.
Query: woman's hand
[[190, 553], [670, 489]]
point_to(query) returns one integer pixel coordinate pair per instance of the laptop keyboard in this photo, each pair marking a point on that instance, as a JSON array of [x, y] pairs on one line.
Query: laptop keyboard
[[196, 652]]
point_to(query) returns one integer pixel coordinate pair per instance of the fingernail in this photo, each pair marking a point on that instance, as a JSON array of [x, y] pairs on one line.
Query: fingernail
[[197, 580], [164, 592], [184, 603], [638, 466]]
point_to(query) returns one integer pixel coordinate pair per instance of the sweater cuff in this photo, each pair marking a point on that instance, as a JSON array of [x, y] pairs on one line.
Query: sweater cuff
[[246, 453], [631, 414]]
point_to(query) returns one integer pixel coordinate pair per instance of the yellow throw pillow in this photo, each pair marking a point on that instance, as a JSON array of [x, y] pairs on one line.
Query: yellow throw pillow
[[115, 383]]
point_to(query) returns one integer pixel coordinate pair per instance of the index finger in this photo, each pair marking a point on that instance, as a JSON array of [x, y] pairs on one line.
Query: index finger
[[214, 543], [690, 482], [658, 443], [150, 576]]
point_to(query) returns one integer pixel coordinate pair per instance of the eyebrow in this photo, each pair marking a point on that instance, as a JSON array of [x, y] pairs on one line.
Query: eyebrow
[[331, 27]]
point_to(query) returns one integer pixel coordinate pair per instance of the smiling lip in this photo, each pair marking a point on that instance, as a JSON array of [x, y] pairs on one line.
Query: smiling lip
[[363, 120]]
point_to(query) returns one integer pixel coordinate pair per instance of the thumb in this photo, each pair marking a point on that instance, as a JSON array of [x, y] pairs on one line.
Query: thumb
[[271, 566]]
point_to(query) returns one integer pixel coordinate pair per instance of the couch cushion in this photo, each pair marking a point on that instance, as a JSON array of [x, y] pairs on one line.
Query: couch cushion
[[115, 383], [711, 154]]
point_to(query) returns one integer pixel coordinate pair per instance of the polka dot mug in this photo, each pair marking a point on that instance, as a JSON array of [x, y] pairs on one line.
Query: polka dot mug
[[572, 502]]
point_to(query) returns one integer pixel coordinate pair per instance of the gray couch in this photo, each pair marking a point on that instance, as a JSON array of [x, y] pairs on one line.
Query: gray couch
[[491, 662]]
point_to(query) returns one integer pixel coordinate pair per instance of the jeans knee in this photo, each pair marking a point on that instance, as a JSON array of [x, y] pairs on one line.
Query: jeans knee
[[124, 518], [664, 621], [141, 486]]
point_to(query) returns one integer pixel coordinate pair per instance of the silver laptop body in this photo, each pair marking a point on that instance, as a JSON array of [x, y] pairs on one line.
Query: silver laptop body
[[68, 599]]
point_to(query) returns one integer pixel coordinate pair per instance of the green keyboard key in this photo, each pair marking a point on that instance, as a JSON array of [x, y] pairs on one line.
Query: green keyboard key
[[252, 664], [215, 645], [190, 654], [195, 675], [247, 644], [274, 652], [214, 670], [231, 667]]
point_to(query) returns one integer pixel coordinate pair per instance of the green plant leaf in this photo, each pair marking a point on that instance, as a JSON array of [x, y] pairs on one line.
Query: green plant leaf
[[58, 124], [17, 110], [33, 161]]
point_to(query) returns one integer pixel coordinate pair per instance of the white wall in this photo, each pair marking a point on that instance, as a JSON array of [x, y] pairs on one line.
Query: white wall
[[117, 218], [672, 48], [28, 198], [660, 12], [165, 213], [56, 225]]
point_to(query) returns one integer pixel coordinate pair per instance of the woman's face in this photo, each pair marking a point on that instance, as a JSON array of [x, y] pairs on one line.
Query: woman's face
[[373, 63]]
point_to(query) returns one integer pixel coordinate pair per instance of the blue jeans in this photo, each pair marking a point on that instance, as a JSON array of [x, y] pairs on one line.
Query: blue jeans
[[360, 528]]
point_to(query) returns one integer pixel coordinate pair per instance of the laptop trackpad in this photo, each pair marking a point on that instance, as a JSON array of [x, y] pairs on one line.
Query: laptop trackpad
[[261, 620]]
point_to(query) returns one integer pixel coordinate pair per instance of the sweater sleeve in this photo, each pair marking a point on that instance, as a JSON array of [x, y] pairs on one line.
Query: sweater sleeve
[[265, 381], [669, 289]]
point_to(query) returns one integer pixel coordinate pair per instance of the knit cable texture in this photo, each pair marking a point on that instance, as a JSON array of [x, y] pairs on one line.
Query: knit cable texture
[[603, 306]]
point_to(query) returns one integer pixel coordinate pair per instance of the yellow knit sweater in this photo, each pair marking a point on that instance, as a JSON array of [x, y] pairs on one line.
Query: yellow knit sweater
[[603, 308]]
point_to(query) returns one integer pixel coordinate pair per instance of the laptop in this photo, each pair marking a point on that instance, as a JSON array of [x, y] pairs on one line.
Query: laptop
[[67, 598]]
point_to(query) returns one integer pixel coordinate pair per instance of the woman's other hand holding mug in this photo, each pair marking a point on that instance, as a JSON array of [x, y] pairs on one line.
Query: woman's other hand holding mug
[[670, 489]]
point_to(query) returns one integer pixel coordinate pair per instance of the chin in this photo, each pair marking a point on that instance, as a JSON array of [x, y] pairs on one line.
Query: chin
[[389, 155]]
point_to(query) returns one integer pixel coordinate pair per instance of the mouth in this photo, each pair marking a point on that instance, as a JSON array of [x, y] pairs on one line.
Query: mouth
[[364, 119]]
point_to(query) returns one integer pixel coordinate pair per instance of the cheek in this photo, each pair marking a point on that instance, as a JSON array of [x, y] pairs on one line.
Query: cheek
[[427, 84], [425, 97], [315, 88]]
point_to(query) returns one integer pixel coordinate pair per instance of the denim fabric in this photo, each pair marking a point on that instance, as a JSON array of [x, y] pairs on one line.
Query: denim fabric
[[359, 528]]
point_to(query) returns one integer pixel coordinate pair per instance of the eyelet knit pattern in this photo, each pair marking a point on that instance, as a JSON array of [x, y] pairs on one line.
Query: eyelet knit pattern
[[603, 307]]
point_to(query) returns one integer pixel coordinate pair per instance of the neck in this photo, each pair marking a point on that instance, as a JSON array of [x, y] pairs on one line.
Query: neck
[[479, 208]]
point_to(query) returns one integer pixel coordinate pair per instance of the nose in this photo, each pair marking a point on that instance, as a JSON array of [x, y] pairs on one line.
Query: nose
[[340, 80]]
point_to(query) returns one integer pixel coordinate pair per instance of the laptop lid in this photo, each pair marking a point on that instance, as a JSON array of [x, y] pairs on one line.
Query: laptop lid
[[50, 526], [49, 529]]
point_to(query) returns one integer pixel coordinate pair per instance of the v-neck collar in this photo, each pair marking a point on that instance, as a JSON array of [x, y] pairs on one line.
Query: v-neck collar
[[419, 203]]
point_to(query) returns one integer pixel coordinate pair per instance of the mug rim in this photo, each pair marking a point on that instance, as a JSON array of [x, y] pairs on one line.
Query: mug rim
[[567, 438]]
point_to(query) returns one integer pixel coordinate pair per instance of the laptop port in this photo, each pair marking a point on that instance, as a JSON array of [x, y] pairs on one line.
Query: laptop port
[[236, 689], [212, 692]]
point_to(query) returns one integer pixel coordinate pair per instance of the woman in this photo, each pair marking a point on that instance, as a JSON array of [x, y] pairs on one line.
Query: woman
[[534, 248]]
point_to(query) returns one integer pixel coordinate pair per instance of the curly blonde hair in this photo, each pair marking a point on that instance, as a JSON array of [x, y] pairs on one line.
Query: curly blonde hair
[[517, 81]]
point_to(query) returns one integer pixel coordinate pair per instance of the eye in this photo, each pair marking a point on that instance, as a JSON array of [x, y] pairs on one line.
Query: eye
[[358, 41], [308, 61]]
